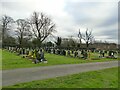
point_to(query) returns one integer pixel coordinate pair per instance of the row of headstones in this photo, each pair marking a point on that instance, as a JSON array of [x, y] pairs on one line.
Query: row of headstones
[[32, 52], [19, 51], [72, 53], [65, 52], [81, 53], [110, 54], [36, 55]]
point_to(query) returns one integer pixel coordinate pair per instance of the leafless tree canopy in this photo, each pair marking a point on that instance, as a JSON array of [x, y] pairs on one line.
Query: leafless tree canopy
[[5, 22], [80, 37], [42, 26], [88, 37], [23, 30]]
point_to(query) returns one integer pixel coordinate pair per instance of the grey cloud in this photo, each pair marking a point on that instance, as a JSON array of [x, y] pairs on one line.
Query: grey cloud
[[76, 10], [13, 6], [112, 34], [113, 19]]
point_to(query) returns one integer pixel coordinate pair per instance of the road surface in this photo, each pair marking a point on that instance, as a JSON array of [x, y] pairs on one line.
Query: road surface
[[11, 77]]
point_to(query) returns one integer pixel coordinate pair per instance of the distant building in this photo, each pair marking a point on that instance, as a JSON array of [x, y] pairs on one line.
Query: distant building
[[105, 46], [96, 45]]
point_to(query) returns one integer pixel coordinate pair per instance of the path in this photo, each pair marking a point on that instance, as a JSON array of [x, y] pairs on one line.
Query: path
[[11, 77]]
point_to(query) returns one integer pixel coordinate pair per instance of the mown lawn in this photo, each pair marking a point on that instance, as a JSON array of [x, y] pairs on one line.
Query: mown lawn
[[107, 78], [12, 61], [0, 59]]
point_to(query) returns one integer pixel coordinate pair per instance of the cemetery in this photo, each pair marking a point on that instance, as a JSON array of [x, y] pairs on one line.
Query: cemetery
[[53, 57], [37, 53], [58, 50]]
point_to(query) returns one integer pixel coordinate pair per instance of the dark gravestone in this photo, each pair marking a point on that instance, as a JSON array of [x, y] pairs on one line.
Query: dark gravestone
[[53, 51], [64, 52], [58, 51], [106, 52], [103, 53], [23, 51], [68, 53], [109, 54], [75, 54]]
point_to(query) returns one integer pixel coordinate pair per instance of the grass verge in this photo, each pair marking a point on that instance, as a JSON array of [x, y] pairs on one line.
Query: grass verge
[[12, 61], [107, 78]]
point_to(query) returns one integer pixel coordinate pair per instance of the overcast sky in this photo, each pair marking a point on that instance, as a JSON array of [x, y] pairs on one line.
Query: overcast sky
[[100, 16]]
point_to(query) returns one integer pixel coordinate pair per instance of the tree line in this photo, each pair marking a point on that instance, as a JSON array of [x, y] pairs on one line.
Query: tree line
[[34, 30], [37, 28]]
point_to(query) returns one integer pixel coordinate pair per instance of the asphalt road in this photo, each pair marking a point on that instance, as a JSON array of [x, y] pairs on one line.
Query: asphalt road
[[11, 77]]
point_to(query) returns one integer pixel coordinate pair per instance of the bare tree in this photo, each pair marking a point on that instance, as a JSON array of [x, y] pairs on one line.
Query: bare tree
[[23, 31], [42, 26], [5, 23], [88, 37], [80, 37]]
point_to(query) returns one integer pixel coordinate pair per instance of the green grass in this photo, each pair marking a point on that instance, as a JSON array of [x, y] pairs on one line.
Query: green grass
[[12, 61], [107, 78], [0, 59]]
